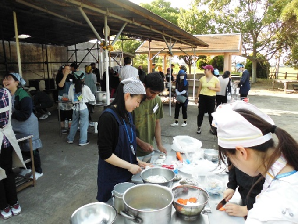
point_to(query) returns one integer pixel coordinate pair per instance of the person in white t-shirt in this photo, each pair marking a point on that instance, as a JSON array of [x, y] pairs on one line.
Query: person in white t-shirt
[[128, 70]]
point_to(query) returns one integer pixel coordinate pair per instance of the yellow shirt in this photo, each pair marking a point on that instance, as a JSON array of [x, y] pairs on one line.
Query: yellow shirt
[[212, 82]]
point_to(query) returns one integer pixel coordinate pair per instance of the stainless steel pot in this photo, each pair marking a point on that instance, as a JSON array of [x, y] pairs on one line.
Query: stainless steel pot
[[118, 192], [101, 96], [166, 173], [147, 204]]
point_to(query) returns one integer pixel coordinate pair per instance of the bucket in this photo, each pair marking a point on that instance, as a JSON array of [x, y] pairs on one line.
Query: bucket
[[118, 192]]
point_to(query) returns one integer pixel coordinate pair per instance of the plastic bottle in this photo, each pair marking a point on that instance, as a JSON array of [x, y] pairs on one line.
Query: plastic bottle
[[69, 123], [66, 124]]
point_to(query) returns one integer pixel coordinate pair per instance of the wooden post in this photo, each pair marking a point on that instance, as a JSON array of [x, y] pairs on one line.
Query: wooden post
[[297, 76], [286, 74]]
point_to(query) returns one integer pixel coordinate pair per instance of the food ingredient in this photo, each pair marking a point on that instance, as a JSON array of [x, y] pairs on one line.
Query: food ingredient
[[157, 179], [186, 201]]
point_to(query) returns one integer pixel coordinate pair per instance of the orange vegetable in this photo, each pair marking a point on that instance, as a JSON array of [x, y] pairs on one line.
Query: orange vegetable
[[179, 156], [222, 209], [192, 200], [182, 201]]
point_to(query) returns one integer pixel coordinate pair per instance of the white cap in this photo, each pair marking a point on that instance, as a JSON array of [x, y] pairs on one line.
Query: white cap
[[234, 130], [133, 86]]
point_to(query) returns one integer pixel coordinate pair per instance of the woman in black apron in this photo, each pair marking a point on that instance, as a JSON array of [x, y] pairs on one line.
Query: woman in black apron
[[117, 139]]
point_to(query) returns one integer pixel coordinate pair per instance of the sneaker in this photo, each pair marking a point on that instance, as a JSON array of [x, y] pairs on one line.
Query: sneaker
[[26, 173], [48, 113], [213, 130], [6, 213], [91, 124], [199, 130], [16, 209], [37, 175], [64, 131], [183, 124], [69, 142], [82, 144], [45, 116], [174, 124]]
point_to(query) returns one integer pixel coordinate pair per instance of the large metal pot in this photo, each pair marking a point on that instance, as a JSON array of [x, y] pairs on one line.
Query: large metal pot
[[101, 96], [94, 213], [118, 192], [147, 204], [169, 175]]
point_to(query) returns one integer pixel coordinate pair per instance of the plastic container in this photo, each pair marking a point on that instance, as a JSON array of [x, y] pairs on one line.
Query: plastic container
[[66, 124], [69, 123]]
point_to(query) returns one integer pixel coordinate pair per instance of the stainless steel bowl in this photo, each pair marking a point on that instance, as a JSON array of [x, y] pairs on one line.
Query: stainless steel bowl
[[94, 213], [211, 155], [186, 192], [166, 173]]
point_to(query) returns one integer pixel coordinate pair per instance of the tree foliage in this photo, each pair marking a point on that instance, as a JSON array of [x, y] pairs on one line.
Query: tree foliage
[[263, 67]]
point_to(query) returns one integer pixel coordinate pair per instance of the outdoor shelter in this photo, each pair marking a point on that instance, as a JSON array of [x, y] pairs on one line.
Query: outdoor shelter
[[68, 22]]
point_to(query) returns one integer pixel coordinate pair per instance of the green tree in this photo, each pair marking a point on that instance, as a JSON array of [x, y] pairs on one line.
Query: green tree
[[263, 67], [127, 45], [163, 9], [217, 62]]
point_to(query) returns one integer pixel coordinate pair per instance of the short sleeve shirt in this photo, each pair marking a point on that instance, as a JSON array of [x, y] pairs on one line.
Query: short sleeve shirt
[[212, 83], [129, 71], [145, 117]]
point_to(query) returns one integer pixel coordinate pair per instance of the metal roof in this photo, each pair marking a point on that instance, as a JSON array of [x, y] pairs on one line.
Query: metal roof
[[60, 22]]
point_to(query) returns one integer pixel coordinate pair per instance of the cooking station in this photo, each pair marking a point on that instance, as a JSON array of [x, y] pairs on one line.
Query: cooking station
[[213, 217]]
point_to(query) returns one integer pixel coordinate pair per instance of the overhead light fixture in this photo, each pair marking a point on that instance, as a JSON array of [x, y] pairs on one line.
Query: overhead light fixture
[[23, 36]]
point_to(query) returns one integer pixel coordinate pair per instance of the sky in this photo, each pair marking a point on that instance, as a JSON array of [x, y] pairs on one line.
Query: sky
[[174, 3]]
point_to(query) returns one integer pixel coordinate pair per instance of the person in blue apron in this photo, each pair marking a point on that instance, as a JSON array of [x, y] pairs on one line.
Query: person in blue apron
[[24, 121], [245, 136], [117, 139], [10, 156], [64, 79]]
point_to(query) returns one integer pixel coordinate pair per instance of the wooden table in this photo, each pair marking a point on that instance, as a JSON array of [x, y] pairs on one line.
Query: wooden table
[[285, 82]]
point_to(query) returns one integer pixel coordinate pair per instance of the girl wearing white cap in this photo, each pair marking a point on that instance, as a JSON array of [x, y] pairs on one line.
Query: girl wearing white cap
[[117, 139], [245, 136]]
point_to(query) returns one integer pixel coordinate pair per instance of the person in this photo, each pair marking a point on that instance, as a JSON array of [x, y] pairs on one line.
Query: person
[[225, 88], [245, 137], [181, 90], [244, 183], [153, 67], [23, 120], [117, 139], [169, 75], [152, 110], [114, 80], [79, 94], [90, 81], [159, 68], [41, 101], [10, 156], [141, 73], [207, 89], [244, 81], [95, 71], [128, 70], [64, 79], [216, 72]]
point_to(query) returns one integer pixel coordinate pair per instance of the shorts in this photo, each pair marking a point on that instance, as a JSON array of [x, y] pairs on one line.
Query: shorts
[[65, 115]]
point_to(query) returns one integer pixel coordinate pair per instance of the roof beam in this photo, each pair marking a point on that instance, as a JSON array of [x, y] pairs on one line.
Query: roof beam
[[92, 8], [89, 23]]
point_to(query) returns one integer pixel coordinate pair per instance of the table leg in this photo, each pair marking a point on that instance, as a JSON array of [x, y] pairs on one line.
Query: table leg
[[59, 119]]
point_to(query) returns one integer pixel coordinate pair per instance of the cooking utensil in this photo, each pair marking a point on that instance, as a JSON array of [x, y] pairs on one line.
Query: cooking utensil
[[147, 204], [211, 155], [154, 171], [97, 212], [186, 192], [118, 192], [221, 204]]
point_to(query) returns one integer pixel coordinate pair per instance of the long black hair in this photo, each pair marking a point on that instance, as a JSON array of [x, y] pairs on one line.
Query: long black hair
[[78, 81]]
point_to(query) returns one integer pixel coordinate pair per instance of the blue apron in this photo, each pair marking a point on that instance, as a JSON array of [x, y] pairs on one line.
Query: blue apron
[[65, 89], [108, 175]]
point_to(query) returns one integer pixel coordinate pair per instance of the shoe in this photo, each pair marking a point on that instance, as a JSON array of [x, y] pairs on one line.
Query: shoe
[[37, 175], [174, 124], [48, 113], [26, 173], [199, 130], [15, 209], [64, 131], [183, 124], [69, 142], [213, 130], [6, 213], [45, 116], [91, 124], [82, 144]]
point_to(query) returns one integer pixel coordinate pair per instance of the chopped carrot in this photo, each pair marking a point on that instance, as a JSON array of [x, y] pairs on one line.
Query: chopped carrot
[[222, 209], [179, 156], [192, 200], [182, 201]]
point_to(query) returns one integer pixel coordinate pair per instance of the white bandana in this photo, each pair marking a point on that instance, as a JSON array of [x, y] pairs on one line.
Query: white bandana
[[234, 130], [133, 86]]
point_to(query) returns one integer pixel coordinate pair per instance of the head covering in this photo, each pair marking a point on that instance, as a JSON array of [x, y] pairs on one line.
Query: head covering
[[182, 73], [238, 66], [79, 75], [159, 68], [208, 67], [88, 69], [116, 68], [19, 78], [216, 72], [133, 86], [234, 130]]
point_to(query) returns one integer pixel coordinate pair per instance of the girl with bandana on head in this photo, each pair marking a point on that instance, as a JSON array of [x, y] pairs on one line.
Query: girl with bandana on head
[[79, 94], [117, 139], [245, 137], [24, 122]]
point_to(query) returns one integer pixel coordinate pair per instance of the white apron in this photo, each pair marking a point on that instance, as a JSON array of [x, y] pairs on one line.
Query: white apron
[[17, 158]]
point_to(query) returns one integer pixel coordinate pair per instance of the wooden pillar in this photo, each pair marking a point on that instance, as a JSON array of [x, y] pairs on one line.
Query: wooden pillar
[[226, 62], [165, 64]]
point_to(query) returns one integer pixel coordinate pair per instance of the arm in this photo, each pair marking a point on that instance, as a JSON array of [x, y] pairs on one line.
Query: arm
[[158, 137], [244, 77], [62, 82], [198, 93], [144, 145], [232, 184], [116, 161], [216, 88], [23, 110]]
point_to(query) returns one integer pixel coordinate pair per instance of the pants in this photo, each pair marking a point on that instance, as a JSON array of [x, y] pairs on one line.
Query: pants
[[220, 100], [243, 95], [8, 192], [81, 116], [206, 103], [184, 110], [37, 161]]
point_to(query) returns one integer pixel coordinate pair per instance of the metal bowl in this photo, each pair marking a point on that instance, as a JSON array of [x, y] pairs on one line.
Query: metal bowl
[[211, 155], [166, 173], [94, 213], [186, 192]]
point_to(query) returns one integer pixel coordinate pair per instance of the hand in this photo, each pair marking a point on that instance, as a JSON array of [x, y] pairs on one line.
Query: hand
[[236, 210], [147, 147], [210, 88], [196, 100], [134, 169], [143, 164], [162, 149], [228, 194]]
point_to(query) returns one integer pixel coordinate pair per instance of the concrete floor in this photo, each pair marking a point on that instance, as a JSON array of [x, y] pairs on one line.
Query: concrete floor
[[70, 171]]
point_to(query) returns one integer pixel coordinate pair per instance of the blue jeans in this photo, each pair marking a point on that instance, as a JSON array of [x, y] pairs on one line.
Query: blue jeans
[[83, 117]]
